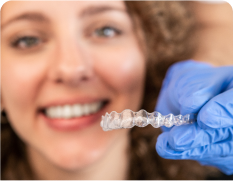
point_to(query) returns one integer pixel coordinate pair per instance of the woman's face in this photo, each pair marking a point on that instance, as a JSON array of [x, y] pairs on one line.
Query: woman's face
[[63, 65]]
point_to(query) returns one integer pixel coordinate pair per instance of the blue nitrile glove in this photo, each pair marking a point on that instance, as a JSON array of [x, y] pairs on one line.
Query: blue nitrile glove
[[188, 85], [194, 87]]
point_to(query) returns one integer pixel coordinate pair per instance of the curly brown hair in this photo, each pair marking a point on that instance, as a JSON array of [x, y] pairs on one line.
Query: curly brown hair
[[167, 31]]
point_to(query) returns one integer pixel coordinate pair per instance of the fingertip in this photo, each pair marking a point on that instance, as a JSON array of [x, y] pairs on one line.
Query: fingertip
[[193, 100], [161, 144], [159, 149], [214, 115], [227, 171], [202, 119], [165, 129], [182, 137], [217, 112]]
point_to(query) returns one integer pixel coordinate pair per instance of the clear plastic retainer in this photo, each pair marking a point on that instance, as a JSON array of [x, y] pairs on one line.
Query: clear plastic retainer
[[129, 119]]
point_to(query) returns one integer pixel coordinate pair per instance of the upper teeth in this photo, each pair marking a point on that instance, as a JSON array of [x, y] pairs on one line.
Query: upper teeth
[[70, 111]]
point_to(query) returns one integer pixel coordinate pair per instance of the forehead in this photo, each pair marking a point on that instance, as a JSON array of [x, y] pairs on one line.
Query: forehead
[[54, 8]]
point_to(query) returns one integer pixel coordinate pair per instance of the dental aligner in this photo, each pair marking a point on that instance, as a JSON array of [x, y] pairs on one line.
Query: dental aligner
[[129, 119]]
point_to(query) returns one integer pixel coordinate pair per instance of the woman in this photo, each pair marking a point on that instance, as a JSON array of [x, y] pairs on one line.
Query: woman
[[64, 64]]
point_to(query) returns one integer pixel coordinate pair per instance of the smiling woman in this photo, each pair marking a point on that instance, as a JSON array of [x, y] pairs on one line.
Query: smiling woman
[[64, 64]]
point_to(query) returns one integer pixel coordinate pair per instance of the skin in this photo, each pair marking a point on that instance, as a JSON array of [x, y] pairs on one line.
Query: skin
[[215, 38], [69, 61]]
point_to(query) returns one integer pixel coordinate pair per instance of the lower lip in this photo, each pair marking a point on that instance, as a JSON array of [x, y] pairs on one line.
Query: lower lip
[[73, 124]]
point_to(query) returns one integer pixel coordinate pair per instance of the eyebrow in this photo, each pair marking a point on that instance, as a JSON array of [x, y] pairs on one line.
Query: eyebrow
[[30, 16], [40, 18], [93, 10]]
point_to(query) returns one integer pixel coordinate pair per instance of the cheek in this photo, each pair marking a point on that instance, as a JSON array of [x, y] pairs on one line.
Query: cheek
[[123, 70], [19, 87], [20, 83]]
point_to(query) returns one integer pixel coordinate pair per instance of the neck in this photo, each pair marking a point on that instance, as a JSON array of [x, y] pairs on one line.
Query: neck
[[112, 166]]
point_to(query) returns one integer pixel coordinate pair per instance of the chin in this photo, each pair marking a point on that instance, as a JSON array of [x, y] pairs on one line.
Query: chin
[[79, 154], [73, 163]]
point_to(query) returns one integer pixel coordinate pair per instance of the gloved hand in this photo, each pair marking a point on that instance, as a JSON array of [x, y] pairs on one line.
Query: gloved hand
[[194, 87]]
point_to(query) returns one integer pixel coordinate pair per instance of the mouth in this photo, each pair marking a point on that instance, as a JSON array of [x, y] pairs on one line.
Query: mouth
[[73, 116], [72, 111]]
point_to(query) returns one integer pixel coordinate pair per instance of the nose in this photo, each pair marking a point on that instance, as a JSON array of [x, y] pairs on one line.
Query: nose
[[71, 65]]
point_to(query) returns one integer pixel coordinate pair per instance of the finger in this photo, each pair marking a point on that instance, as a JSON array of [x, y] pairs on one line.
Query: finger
[[224, 164], [200, 153], [186, 137], [168, 98], [196, 89], [218, 112]]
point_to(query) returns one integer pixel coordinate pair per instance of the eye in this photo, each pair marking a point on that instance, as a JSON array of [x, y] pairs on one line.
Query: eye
[[107, 32], [25, 42]]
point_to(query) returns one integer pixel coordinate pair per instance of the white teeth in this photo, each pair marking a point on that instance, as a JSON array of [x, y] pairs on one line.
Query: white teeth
[[92, 107], [70, 111], [57, 111], [86, 109], [67, 111], [77, 110], [51, 112]]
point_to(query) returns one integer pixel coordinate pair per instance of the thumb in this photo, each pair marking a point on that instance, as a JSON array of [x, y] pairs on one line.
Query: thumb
[[195, 90], [218, 112]]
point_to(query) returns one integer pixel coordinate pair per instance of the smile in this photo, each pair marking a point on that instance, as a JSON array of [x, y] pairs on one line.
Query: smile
[[73, 111], [68, 117]]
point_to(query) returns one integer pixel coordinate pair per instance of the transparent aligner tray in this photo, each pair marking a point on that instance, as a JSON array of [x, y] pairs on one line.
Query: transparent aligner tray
[[129, 119]]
